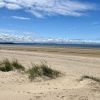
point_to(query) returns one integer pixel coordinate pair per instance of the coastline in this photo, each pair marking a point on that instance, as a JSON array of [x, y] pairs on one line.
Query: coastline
[[79, 51]]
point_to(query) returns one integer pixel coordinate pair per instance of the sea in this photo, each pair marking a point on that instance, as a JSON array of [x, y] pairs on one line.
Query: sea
[[80, 45]]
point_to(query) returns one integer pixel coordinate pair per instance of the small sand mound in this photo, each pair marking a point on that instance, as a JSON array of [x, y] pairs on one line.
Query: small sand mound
[[91, 84]]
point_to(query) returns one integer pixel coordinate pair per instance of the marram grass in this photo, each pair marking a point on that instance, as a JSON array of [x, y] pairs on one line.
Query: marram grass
[[6, 65], [39, 70], [90, 77]]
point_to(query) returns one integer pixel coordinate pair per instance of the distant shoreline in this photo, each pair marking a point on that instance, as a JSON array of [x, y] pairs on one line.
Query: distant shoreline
[[77, 51], [79, 45]]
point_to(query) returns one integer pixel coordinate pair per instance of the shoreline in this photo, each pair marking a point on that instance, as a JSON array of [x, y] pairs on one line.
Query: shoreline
[[79, 51]]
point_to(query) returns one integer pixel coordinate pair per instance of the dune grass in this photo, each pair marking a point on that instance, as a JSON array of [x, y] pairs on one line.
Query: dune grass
[[90, 77], [6, 66], [17, 65], [39, 70]]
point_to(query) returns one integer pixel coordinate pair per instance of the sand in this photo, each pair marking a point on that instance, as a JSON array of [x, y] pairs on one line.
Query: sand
[[16, 86]]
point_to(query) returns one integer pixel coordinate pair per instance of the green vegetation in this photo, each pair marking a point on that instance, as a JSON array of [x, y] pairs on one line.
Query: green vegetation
[[37, 70], [42, 70], [90, 77], [6, 65], [17, 65]]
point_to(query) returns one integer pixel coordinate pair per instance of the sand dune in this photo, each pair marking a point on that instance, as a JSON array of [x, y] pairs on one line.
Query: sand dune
[[16, 86]]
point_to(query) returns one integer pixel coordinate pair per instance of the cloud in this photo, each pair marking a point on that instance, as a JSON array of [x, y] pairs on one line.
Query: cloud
[[16, 32], [4, 37], [10, 6], [20, 18], [41, 8], [7, 35]]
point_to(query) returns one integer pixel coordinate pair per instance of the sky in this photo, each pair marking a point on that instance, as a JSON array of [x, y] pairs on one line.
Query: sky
[[27, 20]]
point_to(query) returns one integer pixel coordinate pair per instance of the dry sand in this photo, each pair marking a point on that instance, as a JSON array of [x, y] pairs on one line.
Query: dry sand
[[16, 86]]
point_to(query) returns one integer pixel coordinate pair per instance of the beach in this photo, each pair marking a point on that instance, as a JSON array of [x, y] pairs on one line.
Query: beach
[[72, 62]]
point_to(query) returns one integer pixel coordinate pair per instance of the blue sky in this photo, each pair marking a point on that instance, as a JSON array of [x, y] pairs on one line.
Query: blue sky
[[66, 19]]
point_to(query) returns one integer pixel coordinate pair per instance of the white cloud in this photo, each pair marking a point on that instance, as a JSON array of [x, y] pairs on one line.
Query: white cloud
[[2, 4], [4, 37], [7, 35], [20, 18], [12, 6], [16, 32], [41, 8]]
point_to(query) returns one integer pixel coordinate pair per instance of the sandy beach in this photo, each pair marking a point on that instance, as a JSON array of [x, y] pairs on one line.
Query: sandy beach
[[72, 62]]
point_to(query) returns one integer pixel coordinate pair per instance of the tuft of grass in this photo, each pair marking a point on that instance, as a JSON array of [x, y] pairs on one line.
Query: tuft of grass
[[90, 77], [17, 65], [49, 72], [34, 72], [39, 70], [6, 66]]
